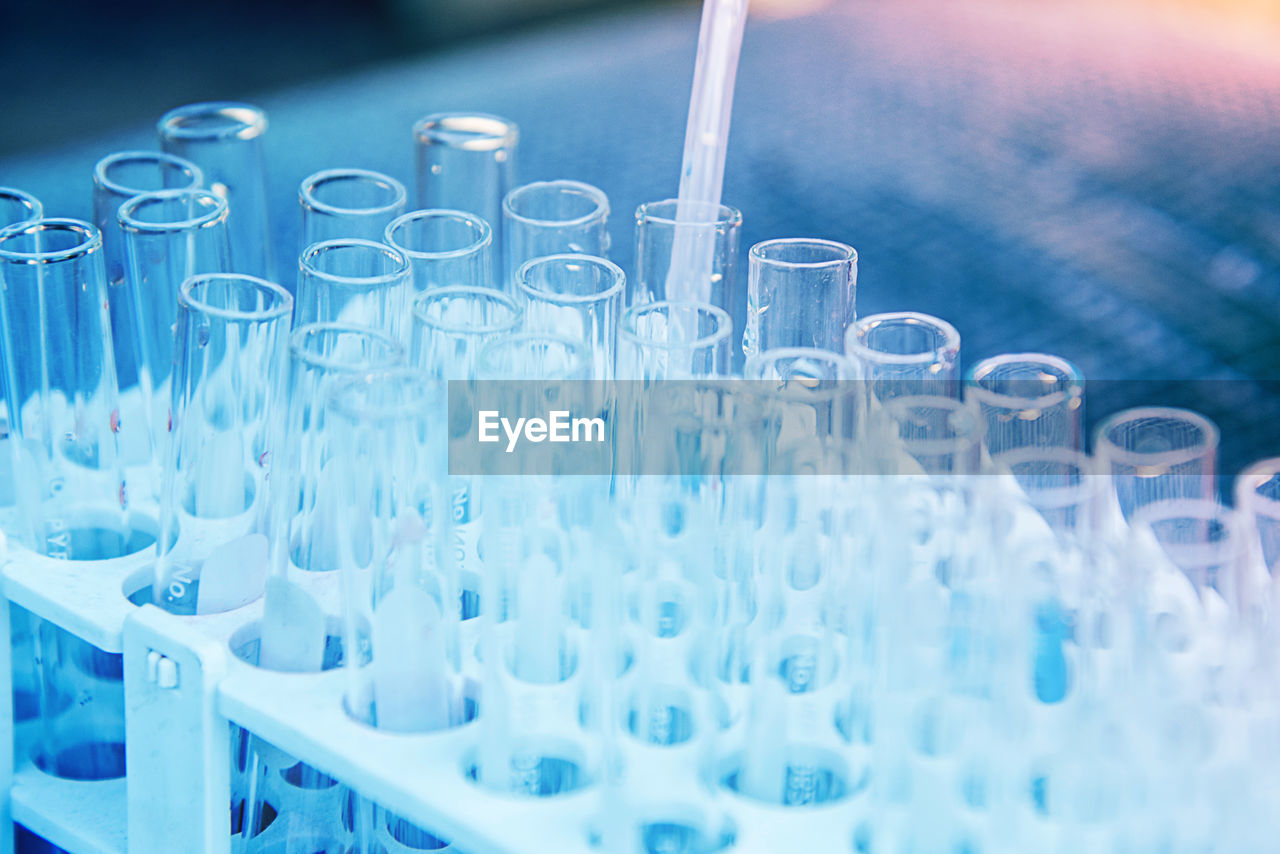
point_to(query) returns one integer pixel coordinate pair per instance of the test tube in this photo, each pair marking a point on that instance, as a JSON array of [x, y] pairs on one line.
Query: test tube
[[552, 218], [70, 497], [231, 335], [812, 392], [401, 600], [466, 162], [1257, 494], [656, 237], [1157, 453], [116, 179], [451, 325], [1029, 400], [800, 293], [673, 340], [355, 282], [906, 353], [18, 206], [169, 237], [444, 248], [940, 434], [348, 203], [305, 493], [225, 140], [575, 296]]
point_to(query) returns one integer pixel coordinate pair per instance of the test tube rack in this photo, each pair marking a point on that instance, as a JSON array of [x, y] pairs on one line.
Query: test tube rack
[[184, 686]]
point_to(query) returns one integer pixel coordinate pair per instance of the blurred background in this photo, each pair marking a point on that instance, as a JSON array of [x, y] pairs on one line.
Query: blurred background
[[1094, 178]]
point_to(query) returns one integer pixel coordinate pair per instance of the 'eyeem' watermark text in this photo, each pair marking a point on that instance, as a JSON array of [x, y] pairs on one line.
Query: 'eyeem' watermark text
[[558, 426]]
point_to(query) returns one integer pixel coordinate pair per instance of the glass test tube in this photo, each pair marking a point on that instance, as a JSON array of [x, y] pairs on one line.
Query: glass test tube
[[552, 218], [401, 597], [169, 236], [656, 238], [450, 326], [15, 206], [800, 293], [812, 392], [225, 140], [306, 494], [356, 282], [575, 296], [906, 353], [444, 248], [536, 668], [231, 334], [18, 206], [1157, 453], [1257, 494], [116, 179], [466, 162], [348, 203], [673, 340], [1029, 400], [64, 416]]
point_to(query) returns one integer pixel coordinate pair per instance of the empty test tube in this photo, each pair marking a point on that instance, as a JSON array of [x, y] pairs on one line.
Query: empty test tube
[[673, 341], [575, 296], [800, 293], [906, 353], [451, 325], [224, 139], [939, 434], [64, 417], [445, 248], [656, 238], [348, 203], [1029, 400], [466, 162], [15, 206], [305, 494], [355, 282], [1157, 453], [231, 337], [1257, 494], [117, 178], [402, 600], [812, 392], [169, 236], [552, 218]]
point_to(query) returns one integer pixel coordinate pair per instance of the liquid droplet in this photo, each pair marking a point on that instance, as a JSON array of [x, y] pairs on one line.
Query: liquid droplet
[[202, 336], [115, 421]]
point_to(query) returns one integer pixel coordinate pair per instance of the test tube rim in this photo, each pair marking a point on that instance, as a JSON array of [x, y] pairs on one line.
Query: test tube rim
[[283, 309], [590, 191], [419, 405], [128, 222], [619, 279], [724, 325], [255, 125], [950, 336], [101, 178], [485, 238], [306, 191], [728, 215], [1234, 546], [508, 137], [401, 271], [853, 371], [1057, 498], [571, 345], [490, 294], [1068, 373], [846, 254], [33, 204], [91, 242], [1108, 451], [939, 446], [315, 360], [1246, 484]]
